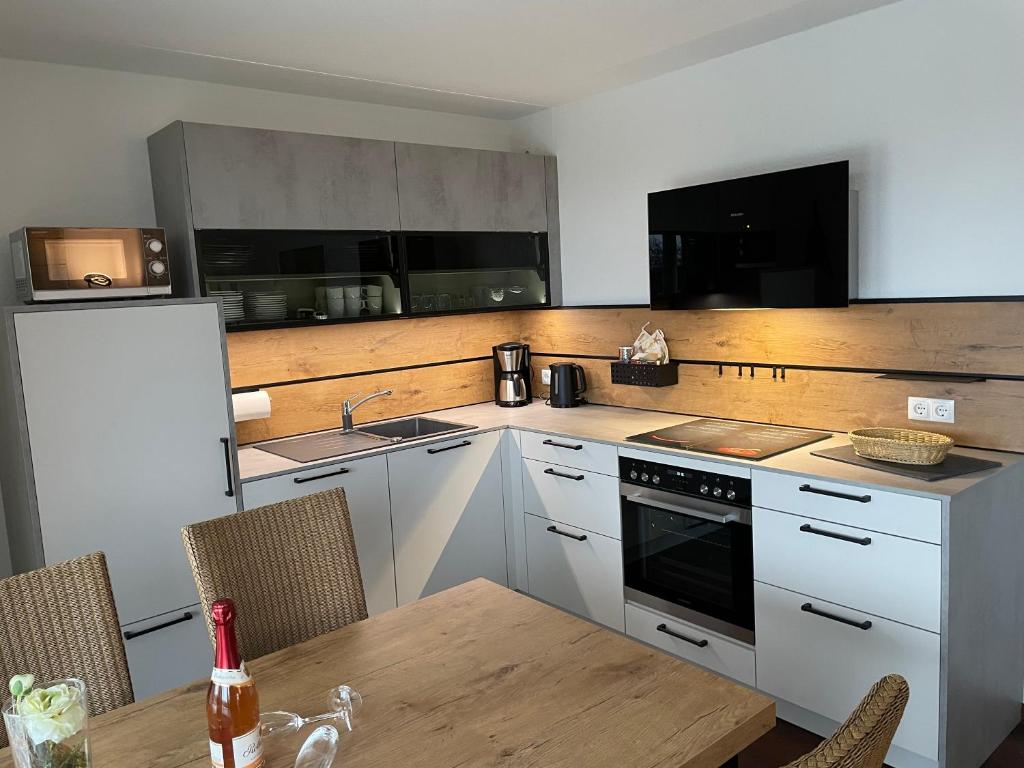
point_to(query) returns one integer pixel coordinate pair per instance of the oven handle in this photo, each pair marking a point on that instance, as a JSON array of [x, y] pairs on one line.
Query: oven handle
[[725, 517]]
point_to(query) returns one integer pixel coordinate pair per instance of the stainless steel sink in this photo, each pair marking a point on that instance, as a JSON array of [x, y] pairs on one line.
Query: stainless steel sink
[[321, 445], [327, 445], [409, 429]]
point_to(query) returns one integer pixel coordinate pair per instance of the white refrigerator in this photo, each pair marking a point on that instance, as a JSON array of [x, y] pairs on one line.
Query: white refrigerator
[[117, 431]]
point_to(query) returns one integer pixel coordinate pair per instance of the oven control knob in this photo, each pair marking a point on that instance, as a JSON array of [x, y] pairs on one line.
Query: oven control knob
[[655, 479], [155, 246], [717, 492], [730, 495], [157, 267], [644, 477], [704, 489], [632, 474]]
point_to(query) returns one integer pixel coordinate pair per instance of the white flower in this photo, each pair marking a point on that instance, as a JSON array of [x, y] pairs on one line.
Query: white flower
[[52, 714]]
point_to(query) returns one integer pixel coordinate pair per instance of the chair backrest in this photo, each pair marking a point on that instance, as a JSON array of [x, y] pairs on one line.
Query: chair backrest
[[60, 621], [864, 739], [290, 567]]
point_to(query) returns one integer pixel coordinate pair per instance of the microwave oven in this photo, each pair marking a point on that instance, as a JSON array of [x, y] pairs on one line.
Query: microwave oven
[[72, 264]]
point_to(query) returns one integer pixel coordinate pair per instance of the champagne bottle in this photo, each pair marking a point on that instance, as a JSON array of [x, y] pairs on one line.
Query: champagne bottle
[[232, 705]]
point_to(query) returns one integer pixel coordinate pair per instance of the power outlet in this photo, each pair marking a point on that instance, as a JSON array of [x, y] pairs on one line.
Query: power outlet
[[919, 408], [545, 376], [943, 410], [931, 409]]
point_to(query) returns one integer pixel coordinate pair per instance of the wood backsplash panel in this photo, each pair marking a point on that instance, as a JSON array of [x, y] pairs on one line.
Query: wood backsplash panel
[[292, 354], [989, 414], [955, 337], [315, 405]]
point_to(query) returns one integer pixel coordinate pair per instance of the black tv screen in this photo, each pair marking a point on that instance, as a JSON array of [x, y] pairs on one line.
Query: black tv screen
[[775, 240]]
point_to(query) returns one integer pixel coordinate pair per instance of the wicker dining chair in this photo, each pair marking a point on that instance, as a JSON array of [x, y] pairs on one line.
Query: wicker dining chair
[[60, 621], [290, 567], [864, 739]]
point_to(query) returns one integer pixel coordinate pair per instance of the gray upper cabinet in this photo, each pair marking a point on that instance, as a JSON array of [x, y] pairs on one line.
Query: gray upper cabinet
[[246, 178], [469, 190]]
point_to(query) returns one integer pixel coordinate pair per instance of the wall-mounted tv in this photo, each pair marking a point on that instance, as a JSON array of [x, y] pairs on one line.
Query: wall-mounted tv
[[775, 240]]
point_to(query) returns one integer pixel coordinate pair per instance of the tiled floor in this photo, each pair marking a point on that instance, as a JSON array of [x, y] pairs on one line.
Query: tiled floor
[[787, 742]]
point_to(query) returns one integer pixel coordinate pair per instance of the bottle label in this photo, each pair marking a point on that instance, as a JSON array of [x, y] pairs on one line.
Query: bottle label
[[230, 676], [247, 749]]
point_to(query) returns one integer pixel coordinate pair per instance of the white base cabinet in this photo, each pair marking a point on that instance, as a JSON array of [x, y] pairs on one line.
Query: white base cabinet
[[826, 666], [575, 569], [168, 650], [448, 514], [719, 654], [366, 489]]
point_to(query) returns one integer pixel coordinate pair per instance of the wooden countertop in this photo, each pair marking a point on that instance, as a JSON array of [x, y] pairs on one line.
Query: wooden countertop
[[476, 675], [611, 424]]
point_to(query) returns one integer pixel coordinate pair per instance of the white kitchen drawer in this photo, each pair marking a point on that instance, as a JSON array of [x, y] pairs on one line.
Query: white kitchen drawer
[[900, 514], [177, 653], [827, 667], [900, 579], [570, 452], [727, 657], [585, 499], [366, 489], [575, 569]]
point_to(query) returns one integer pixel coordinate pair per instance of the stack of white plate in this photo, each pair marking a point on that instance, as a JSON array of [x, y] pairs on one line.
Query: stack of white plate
[[266, 305], [234, 305]]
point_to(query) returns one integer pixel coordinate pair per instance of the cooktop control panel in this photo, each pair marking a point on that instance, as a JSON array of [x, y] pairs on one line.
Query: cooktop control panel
[[690, 482]]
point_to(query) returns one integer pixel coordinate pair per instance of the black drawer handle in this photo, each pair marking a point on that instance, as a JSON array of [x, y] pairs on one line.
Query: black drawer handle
[[463, 444], [130, 635], [311, 478], [226, 442], [835, 494], [699, 643], [808, 608], [563, 445], [553, 529], [562, 474], [833, 535]]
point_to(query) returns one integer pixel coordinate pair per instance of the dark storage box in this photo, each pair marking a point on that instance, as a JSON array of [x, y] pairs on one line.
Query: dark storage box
[[645, 374]]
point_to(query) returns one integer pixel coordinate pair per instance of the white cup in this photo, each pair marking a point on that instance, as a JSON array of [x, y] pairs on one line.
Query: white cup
[[375, 304], [335, 306], [354, 307], [353, 291], [373, 290]]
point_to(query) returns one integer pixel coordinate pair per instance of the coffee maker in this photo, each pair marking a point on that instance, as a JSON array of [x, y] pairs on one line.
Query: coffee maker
[[512, 375]]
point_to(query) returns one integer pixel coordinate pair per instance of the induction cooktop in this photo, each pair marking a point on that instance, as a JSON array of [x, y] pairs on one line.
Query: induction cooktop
[[730, 438]]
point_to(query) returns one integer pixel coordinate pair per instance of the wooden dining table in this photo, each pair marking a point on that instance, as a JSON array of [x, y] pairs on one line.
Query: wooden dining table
[[477, 675]]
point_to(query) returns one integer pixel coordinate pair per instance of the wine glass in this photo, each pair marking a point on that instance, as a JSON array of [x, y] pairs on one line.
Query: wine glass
[[342, 700], [319, 749]]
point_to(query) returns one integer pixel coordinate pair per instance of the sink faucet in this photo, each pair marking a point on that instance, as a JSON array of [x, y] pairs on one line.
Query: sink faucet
[[348, 406]]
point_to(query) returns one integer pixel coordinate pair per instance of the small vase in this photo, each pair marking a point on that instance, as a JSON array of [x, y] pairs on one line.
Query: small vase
[[42, 741]]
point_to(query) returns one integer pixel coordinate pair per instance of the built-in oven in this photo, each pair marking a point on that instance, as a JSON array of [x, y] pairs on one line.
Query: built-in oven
[[687, 544], [74, 263]]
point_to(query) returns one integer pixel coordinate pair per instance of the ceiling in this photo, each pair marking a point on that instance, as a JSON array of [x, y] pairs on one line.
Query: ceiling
[[495, 58]]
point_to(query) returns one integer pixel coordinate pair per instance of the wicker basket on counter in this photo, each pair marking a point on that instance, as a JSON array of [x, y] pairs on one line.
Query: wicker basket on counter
[[901, 446]]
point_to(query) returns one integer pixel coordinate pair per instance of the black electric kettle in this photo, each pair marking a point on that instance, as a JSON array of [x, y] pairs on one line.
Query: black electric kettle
[[568, 383]]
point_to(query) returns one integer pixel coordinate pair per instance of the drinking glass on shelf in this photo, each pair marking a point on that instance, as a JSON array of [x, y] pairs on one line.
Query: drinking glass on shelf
[[416, 302], [428, 302], [444, 302]]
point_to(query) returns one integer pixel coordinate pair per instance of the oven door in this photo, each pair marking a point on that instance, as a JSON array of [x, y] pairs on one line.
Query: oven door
[[690, 558], [86, 263]]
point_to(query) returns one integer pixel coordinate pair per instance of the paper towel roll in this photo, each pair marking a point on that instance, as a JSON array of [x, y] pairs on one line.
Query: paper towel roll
[[251, 405]]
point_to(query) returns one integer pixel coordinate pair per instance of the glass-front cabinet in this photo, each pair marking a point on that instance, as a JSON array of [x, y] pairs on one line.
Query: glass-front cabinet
[[273, 278], [457, 271], [268, 278]]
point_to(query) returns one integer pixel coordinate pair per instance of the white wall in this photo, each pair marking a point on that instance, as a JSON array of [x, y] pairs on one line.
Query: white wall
[[73, 139], [924, 97]]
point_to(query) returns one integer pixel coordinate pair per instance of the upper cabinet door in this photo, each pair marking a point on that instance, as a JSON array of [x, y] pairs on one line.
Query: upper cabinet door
[[246, 178], [444, 189]]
